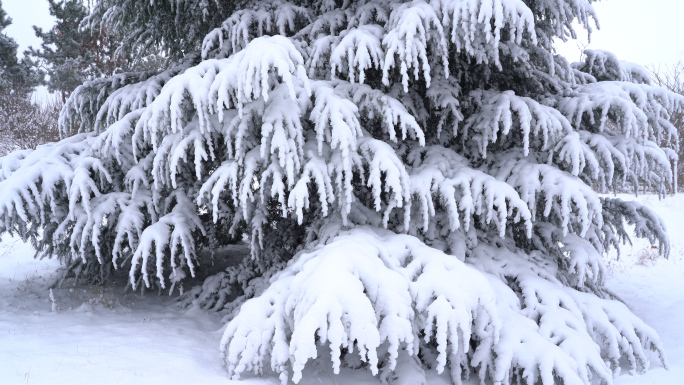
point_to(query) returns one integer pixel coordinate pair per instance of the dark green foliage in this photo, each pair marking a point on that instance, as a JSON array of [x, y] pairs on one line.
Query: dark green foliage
[[17, 76], [23, 123], [175, 28], [71, 54]]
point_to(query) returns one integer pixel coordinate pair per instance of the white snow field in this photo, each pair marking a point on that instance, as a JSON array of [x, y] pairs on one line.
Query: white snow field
[[99, 335]]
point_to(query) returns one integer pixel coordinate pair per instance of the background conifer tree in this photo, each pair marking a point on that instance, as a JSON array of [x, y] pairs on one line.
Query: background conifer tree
[[71, 54], [23, 123], [17, 76]]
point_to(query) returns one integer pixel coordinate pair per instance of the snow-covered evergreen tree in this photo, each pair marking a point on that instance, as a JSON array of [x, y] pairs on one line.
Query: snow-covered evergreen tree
[[23, 123], [71, 54], [418, 180]]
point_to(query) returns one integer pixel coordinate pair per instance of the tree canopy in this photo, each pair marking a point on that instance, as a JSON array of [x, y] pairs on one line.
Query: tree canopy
[[23, 123], [71, 54], [419, 182], [17, 76]]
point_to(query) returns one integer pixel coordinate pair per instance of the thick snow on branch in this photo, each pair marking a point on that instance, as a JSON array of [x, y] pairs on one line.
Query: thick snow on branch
[[364, 289], [605, 66], [647, 224], [98, 103], [390, 289], [358, 50], [80, 110], [495, 115], [471, 25], [386, 173], [638, 110], [545, 323], [215, 85], [34, 183], [572, 203], [173, 230], [412, 28], [265, 18], [393, 113], [442, 173]]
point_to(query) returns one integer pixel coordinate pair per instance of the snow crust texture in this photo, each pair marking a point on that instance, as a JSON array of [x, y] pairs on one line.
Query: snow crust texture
[[417, 181]]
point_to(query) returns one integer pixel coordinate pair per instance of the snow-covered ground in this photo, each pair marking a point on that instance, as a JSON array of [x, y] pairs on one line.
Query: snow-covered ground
[[102, 336]]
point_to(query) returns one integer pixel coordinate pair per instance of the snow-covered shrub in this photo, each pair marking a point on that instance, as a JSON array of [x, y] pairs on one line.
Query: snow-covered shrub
[[417, 179]]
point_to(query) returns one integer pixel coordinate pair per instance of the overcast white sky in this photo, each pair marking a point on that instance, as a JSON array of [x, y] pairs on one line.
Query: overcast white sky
[[25, 14], [640, 31]]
